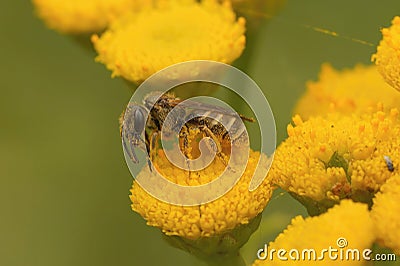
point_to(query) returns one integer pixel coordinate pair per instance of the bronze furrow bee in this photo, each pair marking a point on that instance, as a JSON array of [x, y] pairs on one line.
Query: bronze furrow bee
[[158, 107]]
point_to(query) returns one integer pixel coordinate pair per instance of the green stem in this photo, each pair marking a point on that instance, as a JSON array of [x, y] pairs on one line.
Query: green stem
[[222, 249], [83, 40]]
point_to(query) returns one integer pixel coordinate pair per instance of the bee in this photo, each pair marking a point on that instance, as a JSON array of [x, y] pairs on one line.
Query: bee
[[158, 107], [389, 163]]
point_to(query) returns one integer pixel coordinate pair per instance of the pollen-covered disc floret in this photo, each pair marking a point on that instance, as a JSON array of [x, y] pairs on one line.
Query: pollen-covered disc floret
[[140, 44], [345, 227], [238, 206], [357, 90], [386, 214], [387, 56], [80, 17], [328, 159]]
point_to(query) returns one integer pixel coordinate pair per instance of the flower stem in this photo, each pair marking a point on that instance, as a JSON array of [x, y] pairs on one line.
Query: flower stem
[[83, 40]]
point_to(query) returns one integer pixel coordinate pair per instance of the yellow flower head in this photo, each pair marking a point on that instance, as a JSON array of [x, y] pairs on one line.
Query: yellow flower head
[[386, 214], [348, 222], [138, 45], [79, 17], [387, 57], [238, 206], [357, 90], [328, 159]]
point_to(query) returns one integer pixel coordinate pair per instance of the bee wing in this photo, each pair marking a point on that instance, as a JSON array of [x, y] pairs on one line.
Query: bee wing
[[194, 105]]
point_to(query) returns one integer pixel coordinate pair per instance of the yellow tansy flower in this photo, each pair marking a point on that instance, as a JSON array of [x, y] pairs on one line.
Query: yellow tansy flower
[[345, 227], [238, 206], [138, 45], [328, 159], [386, 214], [222, 225], [356, 90], [387, 57], [80, 17]]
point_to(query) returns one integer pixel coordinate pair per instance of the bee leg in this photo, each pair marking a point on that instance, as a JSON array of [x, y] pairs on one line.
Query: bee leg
[[216, 146], [151, 142], [184, 135], [131, 152], [127, 141], [153, 145]]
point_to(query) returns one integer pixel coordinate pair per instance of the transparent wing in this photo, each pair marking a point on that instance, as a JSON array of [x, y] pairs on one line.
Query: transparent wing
[[195, 105]]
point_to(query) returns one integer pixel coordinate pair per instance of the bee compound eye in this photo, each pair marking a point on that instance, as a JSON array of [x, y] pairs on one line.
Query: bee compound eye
[[139, 117]]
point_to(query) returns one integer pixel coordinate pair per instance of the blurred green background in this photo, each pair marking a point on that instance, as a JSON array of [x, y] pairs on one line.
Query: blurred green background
[[64, 183]]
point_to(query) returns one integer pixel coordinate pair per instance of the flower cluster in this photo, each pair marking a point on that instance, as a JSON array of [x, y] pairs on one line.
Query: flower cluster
[[238, 206], [143, 37], [84, 17], [326, 159], [387, 57], [142, 43], [221, 226], [347, 147], [358, 90], [341, 158], [386, 214], [355, 229]]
